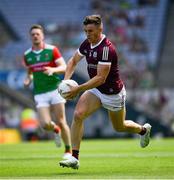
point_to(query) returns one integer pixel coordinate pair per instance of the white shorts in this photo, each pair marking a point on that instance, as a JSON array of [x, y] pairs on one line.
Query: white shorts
[[49, 98], [114, 102]]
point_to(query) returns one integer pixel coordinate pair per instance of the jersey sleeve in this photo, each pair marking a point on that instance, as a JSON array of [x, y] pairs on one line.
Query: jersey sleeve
[[78, 50], [24, 63], [56, 54], [106, 55], [81, 50]]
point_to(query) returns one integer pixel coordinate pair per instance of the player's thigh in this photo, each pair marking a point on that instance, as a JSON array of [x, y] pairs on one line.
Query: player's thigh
[[59, 111], [117, 118], [87, 104], [44, 114]]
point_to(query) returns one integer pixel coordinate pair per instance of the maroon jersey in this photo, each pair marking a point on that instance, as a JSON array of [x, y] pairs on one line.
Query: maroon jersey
[[103, 53]]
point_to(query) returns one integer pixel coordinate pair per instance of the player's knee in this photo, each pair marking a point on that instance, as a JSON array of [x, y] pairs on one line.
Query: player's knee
[[79, 115], [62, 124], [47, 125]]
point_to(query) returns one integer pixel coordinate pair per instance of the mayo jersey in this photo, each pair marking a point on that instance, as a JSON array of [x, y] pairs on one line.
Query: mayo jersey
[[102, 53], [36, 61]]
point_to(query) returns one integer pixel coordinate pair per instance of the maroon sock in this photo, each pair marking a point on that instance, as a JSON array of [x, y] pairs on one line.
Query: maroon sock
[[143, 131], [75, 153]]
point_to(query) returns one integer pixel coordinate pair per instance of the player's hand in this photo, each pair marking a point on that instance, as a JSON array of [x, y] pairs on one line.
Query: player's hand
[[27, 82], [72, 94], [49, 71]]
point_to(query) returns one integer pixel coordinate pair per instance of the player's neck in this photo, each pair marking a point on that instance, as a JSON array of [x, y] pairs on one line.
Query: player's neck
[[97, 40], [38, 46]]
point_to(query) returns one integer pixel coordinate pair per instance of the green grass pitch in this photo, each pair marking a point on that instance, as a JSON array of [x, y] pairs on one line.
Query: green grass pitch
[[99, 159]]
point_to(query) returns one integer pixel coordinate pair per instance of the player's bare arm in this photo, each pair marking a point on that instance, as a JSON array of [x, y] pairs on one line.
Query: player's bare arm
[[99, 79], [28, 79], [72, 64], [60, 69]]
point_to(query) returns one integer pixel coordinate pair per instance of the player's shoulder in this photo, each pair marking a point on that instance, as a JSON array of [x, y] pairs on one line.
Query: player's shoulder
[[50, 46], [27, 51], [107, 42], [85, 43]]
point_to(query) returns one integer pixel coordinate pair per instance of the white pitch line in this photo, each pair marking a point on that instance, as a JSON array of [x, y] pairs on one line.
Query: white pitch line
[[99, 155]]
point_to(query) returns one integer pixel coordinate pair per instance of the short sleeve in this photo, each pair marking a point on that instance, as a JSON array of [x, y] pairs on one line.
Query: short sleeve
[[56, 53], [81, 50], [106, 55], [23, 62]]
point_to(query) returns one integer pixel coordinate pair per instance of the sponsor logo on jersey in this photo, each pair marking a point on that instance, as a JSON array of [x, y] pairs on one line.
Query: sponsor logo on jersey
[[93, 66]]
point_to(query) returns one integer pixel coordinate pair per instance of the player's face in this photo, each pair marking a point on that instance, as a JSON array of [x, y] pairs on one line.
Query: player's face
[[93, 33], [37, 36]]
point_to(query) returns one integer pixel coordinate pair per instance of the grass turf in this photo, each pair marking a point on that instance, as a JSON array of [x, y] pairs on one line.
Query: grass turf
[[99, 159]]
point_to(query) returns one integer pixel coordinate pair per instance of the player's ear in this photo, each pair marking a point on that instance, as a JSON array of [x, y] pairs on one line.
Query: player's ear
[[43, 37], [101, 28]]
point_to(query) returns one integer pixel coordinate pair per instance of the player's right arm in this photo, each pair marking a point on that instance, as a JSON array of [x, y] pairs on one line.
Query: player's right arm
[[29, 78], [72, 64]]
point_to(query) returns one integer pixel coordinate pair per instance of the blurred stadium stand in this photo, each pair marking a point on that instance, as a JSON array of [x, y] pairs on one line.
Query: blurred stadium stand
[[166, 64], [16, 96], [21, 14], [142, 31]]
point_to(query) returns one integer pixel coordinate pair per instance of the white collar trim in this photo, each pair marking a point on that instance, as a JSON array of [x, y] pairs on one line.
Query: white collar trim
[[38, 51], [92, 47]]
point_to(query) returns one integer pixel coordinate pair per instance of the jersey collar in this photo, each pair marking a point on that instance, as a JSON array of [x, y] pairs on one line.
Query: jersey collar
[[40, 50], [92, 47]]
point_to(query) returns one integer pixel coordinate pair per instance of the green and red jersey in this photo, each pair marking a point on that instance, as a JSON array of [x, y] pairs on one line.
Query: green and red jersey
[[36, 61]]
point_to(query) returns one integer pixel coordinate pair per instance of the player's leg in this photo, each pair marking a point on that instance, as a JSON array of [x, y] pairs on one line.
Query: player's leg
[[121, 125], [87, 104], [117, 113], [59, 111], [43, 107], [45, 119]]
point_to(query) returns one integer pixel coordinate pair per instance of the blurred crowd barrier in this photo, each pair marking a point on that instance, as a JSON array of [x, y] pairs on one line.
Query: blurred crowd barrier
[[9, 136]]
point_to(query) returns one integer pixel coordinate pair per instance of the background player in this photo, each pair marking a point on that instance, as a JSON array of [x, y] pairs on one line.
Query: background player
[[44, 63], [105, 88]]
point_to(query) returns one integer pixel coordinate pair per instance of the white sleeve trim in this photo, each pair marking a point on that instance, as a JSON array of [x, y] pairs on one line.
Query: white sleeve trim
[[78, 51], [59, 59], [105, 63]]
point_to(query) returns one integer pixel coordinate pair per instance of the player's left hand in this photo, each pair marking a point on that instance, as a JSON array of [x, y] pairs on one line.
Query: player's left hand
[[73, 93], [49, 71]]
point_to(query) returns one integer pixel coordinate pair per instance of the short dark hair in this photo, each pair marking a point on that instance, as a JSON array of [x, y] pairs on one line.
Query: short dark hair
[[36, 26], [92, 19]]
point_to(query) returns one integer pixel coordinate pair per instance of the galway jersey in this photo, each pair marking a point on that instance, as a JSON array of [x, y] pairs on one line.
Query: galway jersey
[[36, 61], [102, 53]]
